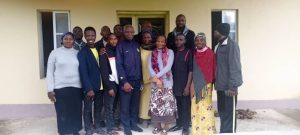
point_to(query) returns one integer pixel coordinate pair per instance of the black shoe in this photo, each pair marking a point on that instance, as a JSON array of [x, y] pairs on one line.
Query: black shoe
[[175, 128], [127, 132], [185, 132], [137, 129]]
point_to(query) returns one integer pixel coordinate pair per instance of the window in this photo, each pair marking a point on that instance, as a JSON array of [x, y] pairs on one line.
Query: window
[[225, 16], [158, 19], [230, 17], [52, 25]]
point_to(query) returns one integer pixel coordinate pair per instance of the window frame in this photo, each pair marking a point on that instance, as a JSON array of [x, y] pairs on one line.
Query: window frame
[[135, 15], [55, 34]]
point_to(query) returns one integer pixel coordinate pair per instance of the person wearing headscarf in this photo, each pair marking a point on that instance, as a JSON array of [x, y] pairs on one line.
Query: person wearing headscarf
[[228, 77], [64, 86], [146, 49], [203, 120]]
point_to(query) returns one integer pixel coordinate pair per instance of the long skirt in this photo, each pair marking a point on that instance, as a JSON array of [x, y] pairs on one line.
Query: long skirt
[[144, 102], [68, 108], [163, 107], [203, 120]]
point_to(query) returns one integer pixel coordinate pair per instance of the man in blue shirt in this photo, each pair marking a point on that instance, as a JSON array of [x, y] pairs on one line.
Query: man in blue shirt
[[129, 73]]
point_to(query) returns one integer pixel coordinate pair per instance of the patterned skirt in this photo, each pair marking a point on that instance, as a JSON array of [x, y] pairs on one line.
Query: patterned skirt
[[203, 120], [163, 108]]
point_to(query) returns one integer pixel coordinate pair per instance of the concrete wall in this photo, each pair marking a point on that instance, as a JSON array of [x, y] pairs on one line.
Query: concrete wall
[[267, 30]]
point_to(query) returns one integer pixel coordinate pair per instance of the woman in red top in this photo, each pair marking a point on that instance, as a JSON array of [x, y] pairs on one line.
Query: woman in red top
[[203, 122]]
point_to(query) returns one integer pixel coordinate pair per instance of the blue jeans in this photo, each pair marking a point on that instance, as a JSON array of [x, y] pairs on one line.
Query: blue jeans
[[130, 106]]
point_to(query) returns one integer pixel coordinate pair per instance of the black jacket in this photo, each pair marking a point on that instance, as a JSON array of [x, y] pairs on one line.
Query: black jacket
[[189, 40]]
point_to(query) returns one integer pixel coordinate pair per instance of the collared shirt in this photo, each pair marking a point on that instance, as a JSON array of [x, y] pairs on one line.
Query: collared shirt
[[224, 43], [104, 43], [79, 46]]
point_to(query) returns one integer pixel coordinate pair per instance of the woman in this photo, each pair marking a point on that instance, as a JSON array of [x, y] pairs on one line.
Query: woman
[[163, 107], [64, 86], [203, 121], [146, 49]]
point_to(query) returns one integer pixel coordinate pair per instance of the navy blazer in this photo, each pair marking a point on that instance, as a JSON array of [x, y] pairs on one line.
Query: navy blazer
[[91, 73]]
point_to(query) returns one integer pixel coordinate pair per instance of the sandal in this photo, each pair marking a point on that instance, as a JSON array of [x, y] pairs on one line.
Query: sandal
[[156, 130], [164, 132]]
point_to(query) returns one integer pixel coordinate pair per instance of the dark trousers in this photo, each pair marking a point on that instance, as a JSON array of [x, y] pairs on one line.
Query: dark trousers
[[226, 109], [116, 108], [184, 111], [130, 106], [109, 106], [97, 103]]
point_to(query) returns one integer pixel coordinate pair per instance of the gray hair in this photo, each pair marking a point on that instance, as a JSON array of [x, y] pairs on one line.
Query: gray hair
[[201, 34], [127, 26]]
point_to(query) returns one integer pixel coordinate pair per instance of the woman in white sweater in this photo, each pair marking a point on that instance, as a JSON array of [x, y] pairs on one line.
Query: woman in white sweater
[[64, 86]]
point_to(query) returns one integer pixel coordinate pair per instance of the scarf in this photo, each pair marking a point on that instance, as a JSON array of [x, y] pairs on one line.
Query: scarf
[[149, 47], [154, 60], [204, 71], [185, 31]]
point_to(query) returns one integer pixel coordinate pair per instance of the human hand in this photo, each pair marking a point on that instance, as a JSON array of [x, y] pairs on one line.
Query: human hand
[[51, 96]]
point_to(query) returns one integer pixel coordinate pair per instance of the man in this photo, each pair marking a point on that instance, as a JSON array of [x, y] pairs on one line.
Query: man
[[105, 31], [181, 28], [93, 70], [79, 43], [118, 31], [129, 73], [146, 27], [228, 77], [100, 45], [182, 76], [109, 96]]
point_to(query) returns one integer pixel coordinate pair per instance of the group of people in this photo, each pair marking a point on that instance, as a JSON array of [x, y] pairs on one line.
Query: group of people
[[144, 78]]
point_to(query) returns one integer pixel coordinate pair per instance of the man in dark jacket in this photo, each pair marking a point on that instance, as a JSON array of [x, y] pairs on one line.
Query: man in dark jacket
[[93, 70], [181, 28], [129, 73], [105, 31], [228, 77]]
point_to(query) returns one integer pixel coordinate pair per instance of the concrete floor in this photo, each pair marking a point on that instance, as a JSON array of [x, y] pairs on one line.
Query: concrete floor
[[266, 122]]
